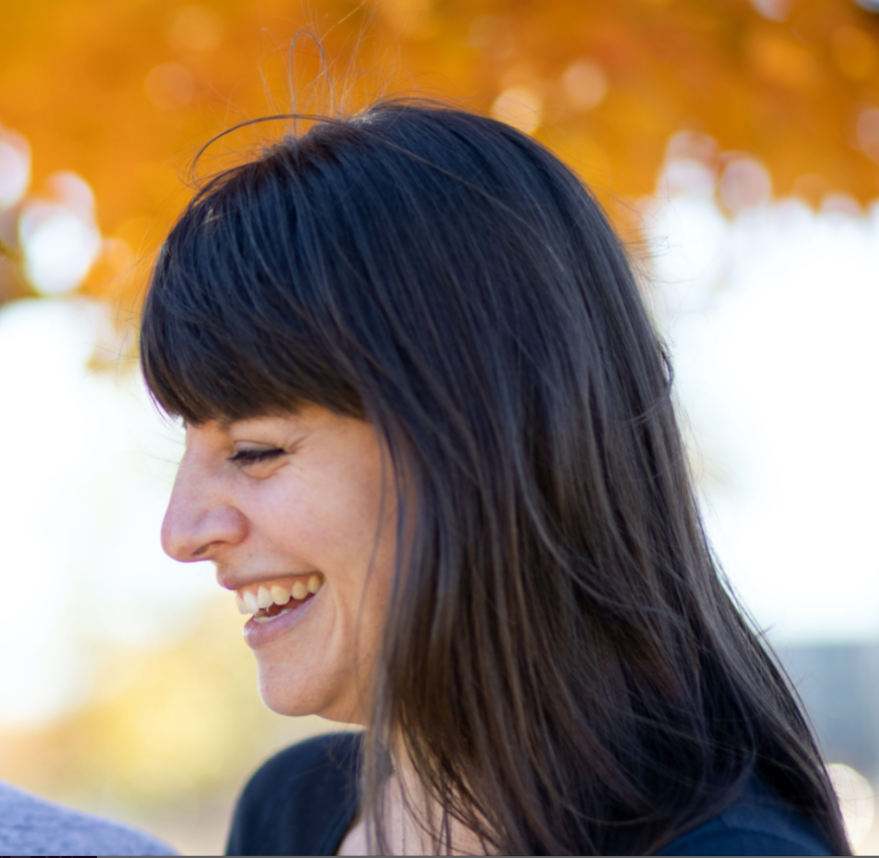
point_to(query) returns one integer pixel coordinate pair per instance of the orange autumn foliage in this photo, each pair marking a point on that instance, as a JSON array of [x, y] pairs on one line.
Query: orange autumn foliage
[[124, 93]]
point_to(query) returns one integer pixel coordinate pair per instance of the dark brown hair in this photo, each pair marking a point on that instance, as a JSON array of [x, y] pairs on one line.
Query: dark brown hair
[[562, 662]]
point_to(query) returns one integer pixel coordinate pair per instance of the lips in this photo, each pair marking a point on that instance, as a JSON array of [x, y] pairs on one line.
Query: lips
[[276, 605]]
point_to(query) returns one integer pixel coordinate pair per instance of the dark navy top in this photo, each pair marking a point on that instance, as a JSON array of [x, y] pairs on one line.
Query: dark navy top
[[304, 800]]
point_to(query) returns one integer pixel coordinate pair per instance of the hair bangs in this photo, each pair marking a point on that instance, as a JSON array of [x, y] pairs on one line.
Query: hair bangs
[[223, 334], [191, 375]]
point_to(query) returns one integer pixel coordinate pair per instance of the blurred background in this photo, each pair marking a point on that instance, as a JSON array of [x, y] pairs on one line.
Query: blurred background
[[735, 144]]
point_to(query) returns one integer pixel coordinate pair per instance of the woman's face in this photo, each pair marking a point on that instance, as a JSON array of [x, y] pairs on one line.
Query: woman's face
[[289, 510]]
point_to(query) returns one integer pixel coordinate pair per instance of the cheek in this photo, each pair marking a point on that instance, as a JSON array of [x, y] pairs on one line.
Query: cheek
[[329, 522], [323, 537]]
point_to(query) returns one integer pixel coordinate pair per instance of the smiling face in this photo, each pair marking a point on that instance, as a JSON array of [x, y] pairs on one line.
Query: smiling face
[[293, 505]]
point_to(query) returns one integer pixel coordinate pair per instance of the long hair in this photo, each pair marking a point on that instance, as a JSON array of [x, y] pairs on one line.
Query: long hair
[[561, 661]]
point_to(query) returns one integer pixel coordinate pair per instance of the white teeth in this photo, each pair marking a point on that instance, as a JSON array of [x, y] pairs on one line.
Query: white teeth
[[280, 595], [251, 602], [264, 597]]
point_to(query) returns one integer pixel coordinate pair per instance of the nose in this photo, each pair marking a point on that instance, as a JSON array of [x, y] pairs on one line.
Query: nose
[[201, 520]]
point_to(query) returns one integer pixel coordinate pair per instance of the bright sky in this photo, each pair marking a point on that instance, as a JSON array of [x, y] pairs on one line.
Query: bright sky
[[772, 321], [88, 465]]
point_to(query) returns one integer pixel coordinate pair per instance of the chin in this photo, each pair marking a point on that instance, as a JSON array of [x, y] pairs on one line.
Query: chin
[[299, 697], [288, 697]]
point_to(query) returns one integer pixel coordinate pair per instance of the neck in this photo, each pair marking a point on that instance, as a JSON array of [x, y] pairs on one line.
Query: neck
[[413, 818]]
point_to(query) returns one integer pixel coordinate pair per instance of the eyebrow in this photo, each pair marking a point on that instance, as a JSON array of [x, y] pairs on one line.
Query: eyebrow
[[226, 423]]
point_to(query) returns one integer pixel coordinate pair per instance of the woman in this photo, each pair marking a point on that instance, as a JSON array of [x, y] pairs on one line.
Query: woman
[[431, 446]]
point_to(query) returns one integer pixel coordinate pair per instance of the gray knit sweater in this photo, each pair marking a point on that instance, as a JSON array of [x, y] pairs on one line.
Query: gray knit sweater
[[34, 826]]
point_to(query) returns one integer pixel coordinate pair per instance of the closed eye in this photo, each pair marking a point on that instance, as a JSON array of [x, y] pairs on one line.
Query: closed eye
[[252, 457]]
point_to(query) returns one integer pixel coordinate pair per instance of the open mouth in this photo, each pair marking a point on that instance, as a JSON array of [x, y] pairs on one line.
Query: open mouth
[[269, 599]]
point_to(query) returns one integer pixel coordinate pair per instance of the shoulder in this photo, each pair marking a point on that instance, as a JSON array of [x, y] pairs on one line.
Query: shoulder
[[33, 826], [307, 764], [299, 800], [758, 823]]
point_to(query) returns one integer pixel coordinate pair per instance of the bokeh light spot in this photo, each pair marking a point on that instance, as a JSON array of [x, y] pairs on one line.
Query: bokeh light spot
[[774, 10], [59, 247], [691, 144], [519, 106], [745, 182], [856, 800], [73, 192], [811, 187], [841, 204], [685, 176], [689, 165], [867, 131], [585, 84], [15, 167], [169, 86]]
